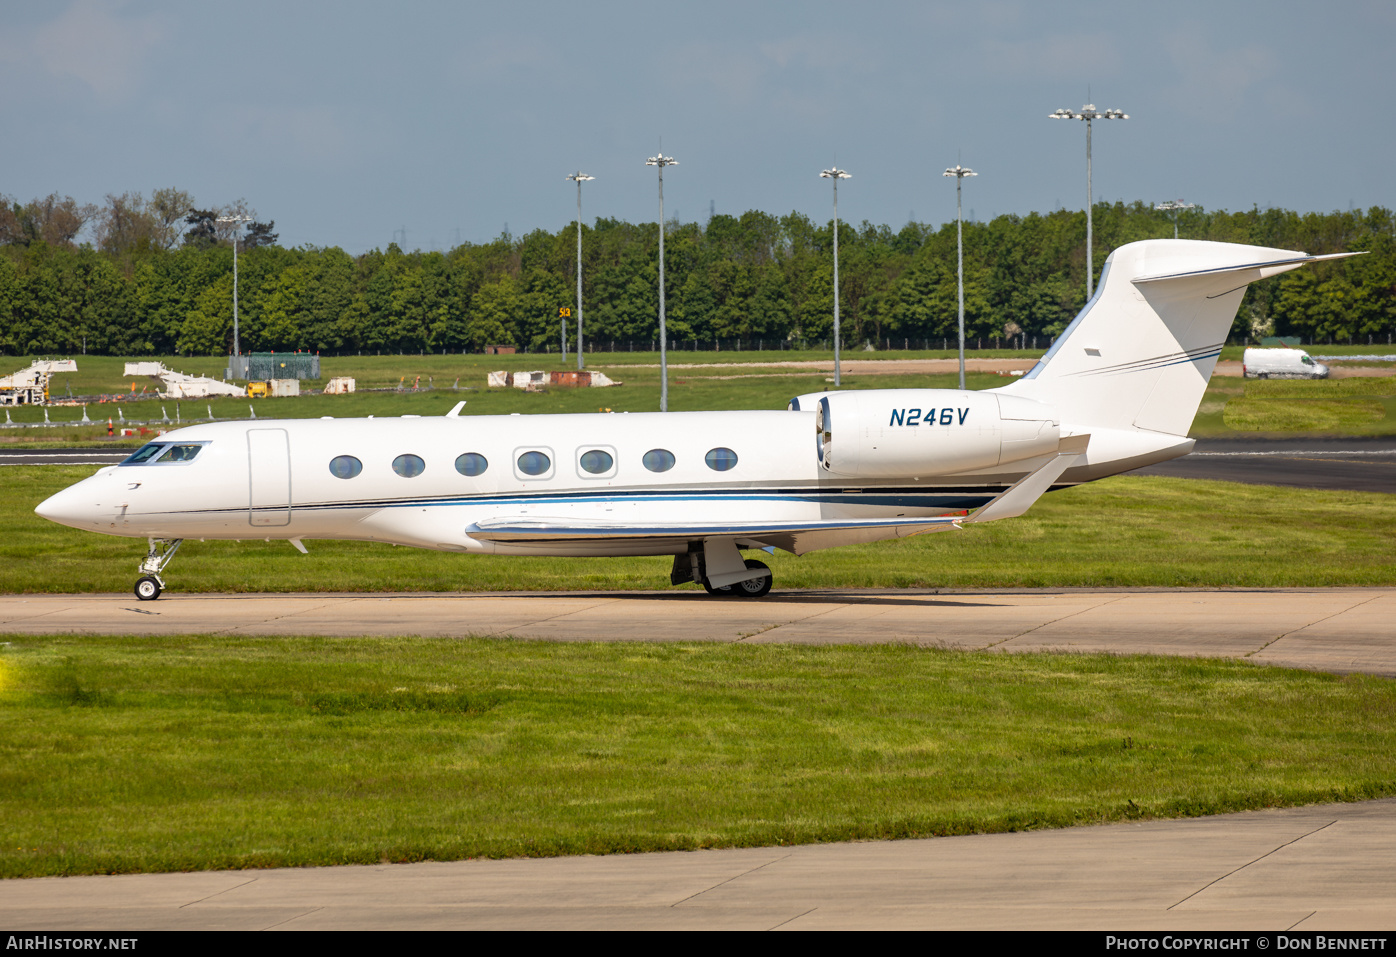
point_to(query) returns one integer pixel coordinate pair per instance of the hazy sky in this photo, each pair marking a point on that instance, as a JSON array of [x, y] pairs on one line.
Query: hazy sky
[[346, 121]]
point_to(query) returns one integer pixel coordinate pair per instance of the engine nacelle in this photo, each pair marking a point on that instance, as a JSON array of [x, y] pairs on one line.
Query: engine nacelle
[[904, 433]]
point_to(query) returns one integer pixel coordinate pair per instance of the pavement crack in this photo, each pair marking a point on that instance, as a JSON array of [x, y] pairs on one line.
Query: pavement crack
[[751, 870], [1273, 850], [1316, 621], [293, 917], [561, 614], [1301, 920], [761, 631], [796, 917], [237, 629], [1080, 611], [804, 618], [225, 890]]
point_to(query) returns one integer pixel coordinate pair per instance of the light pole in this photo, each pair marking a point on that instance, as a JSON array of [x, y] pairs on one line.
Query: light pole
[[662, 161], [959, 172], [1174, 207], [579, 177], [237, 222], [1088, 113], [836, 174]]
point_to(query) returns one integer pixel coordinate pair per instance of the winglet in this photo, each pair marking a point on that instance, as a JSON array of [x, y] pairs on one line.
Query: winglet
[[455, 409], [1022, 494]]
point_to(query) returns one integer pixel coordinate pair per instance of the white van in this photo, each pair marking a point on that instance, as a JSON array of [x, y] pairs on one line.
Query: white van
[[1281, 364]]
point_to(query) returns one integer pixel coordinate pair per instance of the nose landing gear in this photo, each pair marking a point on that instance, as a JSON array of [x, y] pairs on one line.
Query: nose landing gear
[[150, 584]]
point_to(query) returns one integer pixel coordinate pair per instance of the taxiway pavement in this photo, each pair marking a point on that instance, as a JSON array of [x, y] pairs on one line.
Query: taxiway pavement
[[1327, 629], [1303, 870]]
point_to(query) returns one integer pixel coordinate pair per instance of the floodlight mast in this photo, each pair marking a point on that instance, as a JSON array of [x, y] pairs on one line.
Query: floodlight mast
[[1088, 113], [1174, 207], [836, 174], [237, 222], [579, 177], [662, 161], [959, 172]]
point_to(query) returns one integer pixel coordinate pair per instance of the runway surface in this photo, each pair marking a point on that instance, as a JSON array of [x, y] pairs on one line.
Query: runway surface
[[1337, 629], [1362, 464], [83, 456], [1303, 870]]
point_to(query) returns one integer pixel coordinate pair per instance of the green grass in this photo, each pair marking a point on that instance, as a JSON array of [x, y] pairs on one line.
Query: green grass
[[1320, 388], [139, 754], [1347, 416], [1124, 531], [724, 380], [1358, 406], [758, 387]]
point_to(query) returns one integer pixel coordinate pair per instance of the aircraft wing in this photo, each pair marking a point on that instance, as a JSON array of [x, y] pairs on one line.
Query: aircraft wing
[[795, 537]]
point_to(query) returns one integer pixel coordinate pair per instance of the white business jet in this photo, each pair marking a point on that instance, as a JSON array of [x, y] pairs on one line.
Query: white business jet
[[1118, 390]]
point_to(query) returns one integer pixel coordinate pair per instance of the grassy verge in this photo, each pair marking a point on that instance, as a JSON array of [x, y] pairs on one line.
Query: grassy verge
[[1123, 531], [1356, 406], [131, 754]]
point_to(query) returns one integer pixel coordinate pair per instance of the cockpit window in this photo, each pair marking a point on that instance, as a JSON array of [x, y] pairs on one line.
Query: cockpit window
[[145, 453], [165, 453], [180, 453]]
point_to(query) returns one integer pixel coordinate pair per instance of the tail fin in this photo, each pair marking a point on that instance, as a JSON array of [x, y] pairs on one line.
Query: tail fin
[[1139, 355]]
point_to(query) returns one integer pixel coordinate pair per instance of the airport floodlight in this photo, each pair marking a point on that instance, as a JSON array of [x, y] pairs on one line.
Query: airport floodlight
[[237, 222], [662, 161], [959, 172], [1088, 113], [579, 177], [1173, 206], [836, 174]]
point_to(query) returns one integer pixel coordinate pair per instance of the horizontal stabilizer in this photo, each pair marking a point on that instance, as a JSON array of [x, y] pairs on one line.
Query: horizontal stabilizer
[[1266, 269]]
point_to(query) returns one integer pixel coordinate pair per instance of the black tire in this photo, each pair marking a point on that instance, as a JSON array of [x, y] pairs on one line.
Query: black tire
[[726, 591], [754, 587], [148, 588]]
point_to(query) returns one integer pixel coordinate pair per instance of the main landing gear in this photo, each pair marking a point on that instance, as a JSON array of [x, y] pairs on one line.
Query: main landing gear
[[750, 588], [693, 567], [150, 584]]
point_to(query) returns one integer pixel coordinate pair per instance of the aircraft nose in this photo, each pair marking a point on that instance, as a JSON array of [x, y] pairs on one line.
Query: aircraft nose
[[72, 506]]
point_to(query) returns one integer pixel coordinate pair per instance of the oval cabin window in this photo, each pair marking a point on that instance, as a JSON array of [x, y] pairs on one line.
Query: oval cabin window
[[409, 466], [345, 466], [471, 464], [720, 460], [534, 463], [659, 460], [597, 462]]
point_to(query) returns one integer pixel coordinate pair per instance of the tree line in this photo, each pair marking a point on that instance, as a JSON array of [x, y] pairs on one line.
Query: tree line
[[156, 278]]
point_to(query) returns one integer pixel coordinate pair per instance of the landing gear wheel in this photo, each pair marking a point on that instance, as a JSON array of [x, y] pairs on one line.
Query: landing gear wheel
[[726, 591], [157, 556], [755, 587]]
